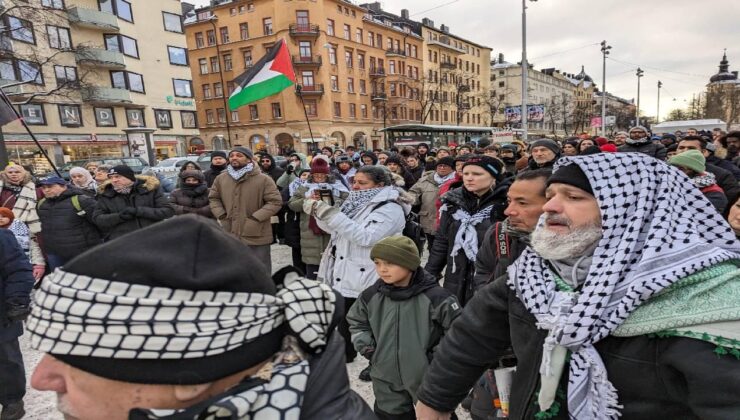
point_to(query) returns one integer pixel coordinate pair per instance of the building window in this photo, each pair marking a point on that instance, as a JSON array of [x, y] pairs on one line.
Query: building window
[[211, 37], [209, 116], [172, 22], [358, 35], [183, 88], [361, 61], [363, 110], [347, 31], [133, 82], [391, 67], [348, 59], [66, 76], [243, 31], [267, 26], [199, 43], [122, 44], [230, 87], [215, 66], [352, 111], [311, 107], [135, 118], [59, 37], [178, 56], [254, 112], [163, 118], [247, 58], [301, 18], [307, 78], [334, 83], [224, 31], [207, 91], [203, 64], [53, 4], [33, 114], [120, 8], [277, 113], [70, 115], [330, 27], [363, 88], [218, 90], [20, 29], [234, 116], [228, 65], [351, 85], [189, 119], [338, 109], [332, 54], [221, 115]]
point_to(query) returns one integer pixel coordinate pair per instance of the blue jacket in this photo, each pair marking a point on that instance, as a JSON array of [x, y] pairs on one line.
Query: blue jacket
[[16, 281]]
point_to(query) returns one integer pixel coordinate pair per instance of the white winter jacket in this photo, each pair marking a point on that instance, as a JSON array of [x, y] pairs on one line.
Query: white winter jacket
[[346, 264]]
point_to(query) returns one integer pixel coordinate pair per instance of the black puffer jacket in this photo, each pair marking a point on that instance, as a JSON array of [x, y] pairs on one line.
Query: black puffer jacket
[[65, 232], [292, 230], [213, 172], [191, 199], [16, 281], [460, 282], [724, 164], [146, 198], [274, 171], [655, 378], [726, 181], [655, 150], [500, 248]]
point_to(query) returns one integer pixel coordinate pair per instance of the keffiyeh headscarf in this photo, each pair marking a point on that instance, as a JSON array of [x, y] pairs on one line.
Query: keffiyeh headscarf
[[657, 229]]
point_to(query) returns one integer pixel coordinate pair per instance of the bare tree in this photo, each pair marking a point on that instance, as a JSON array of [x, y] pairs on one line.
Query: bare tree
[[677, 115], [425, 93]]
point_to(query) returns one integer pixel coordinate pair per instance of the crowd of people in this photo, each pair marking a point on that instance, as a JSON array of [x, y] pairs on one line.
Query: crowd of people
[[606, 269]]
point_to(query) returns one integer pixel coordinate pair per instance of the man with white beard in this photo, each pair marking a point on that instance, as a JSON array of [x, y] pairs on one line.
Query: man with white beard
[[626, 304]]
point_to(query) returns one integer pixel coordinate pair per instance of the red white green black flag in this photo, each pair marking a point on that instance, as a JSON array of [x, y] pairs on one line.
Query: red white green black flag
[[272, 74]]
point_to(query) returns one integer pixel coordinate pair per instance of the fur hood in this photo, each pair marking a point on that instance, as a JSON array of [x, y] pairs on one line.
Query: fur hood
[[145, 182]]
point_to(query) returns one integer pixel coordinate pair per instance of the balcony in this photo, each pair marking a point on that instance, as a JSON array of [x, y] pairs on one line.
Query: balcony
[[98, 57], [12, 90], [447, 65], [378, 96], [312, 90], [307, 61], [99, 95], [304, 29], [92, 19], [377, 72], [445, 43], [393, 52]]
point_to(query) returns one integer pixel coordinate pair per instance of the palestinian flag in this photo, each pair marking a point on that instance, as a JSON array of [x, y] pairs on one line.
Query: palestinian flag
[[272, 74]]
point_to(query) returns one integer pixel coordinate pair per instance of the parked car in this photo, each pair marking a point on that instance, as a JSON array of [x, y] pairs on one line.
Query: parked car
[[173, 165], [135, 163]]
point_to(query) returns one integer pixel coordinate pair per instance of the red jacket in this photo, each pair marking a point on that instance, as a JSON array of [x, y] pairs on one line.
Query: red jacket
[[443, 190]]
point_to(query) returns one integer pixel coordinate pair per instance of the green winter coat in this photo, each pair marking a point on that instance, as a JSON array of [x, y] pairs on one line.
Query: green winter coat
[[288, 176], [312, 245], [399, 328]]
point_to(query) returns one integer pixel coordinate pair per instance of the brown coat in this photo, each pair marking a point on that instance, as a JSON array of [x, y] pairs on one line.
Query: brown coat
[[244, 207]]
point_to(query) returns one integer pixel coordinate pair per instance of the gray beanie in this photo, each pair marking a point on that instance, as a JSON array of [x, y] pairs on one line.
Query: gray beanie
[[243, 150], [550, 144], [639, 127]]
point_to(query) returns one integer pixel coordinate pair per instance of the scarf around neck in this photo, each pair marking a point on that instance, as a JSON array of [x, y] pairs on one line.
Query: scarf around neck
[[638, 142], [657, 228], [466, 237], [439, 180], [237, 174], [706, 179], [358, 199]]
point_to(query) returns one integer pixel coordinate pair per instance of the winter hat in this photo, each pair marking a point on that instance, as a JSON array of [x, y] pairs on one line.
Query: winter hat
[[218, 153], [491, 165], [511, 147], [609, 148], [398, 250], [572, 175], [342, 159], [319, 166], [691, 159], [711, 147], [199, 318], [447, 160], [639, 127], [243, 150], [123, 171], [52, 180], [546, 143], [192, 174], [6, 212]]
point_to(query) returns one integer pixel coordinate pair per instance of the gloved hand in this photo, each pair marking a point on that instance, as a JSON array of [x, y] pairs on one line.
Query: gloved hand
[[38, 271], [368, 352], [129, 213], [17, 311], [319, 209]]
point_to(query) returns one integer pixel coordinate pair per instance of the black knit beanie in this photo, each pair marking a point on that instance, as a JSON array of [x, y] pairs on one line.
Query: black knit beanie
[[218, 153], [491, 165], [572, 175], [123, 171]]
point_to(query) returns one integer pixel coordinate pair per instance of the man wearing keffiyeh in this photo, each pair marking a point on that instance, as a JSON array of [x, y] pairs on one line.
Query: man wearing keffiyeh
[[627, 304], [206, 335]]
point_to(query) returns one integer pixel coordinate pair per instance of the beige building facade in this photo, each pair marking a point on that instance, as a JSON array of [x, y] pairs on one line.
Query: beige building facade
[[98, 78]]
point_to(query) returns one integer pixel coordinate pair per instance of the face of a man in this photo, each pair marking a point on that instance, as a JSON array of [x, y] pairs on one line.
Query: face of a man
[[637, 134], [53, 190], [685, 145], [412, 161], [119, 181], [691, 132], [491, 153], [15, 174], [526, 199], [422, 150], [507, 154], [238, 160], [569, 208], [464, 151], [266, 163], [218, 161], [733, 142], [444, 170], [542, 154], [620, 139]]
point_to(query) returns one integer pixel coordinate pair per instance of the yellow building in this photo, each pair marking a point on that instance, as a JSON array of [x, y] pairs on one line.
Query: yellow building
[[356, 73], [103, 78]]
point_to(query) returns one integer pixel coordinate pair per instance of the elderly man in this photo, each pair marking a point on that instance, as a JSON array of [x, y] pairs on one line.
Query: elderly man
[[198, 337], [620, 138], [608, 312], [639, 142], [544, 154], [244, 200]]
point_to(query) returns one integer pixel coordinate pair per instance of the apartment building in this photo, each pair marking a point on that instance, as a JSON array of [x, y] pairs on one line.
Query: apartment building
[[356, 73], [97, 78]]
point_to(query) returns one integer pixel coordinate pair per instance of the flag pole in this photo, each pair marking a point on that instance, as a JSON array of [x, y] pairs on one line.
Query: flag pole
[[298, 90], [30, 133]]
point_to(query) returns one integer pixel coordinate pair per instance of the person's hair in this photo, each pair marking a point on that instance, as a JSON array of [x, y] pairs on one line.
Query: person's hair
[[692, 128], [491, 148], [92, 162], [702, 142], [103, 168], [534, 174], [377, 174]]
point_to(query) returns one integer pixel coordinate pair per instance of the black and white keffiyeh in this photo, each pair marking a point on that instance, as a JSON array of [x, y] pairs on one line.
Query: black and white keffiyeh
[[466, 237], [657, 228], [358, 199], [82, 316]]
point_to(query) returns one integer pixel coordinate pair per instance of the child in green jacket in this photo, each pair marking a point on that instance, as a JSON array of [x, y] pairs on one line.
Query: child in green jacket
[[396, 324]]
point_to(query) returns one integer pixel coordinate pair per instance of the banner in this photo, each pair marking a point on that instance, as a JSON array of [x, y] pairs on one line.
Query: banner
[[535, 113], [513, 114]]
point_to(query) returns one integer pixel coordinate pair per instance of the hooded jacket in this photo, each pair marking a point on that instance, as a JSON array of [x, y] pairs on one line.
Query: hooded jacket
[[398, 328], [656, 150], [16, 281], [288, 175], [726, 181], [66, 232], [425, 193], [212, 173], [191, 199], [274, 171], [724, 164], [244, 207], [146, 198]]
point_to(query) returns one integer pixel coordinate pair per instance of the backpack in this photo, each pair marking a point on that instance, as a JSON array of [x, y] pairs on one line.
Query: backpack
[[412, 228], [75, 204]]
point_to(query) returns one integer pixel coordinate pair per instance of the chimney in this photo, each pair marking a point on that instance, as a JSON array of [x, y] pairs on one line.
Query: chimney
[[500, 57], [375, 7], [405, 13], [444, 28], [735, 73]]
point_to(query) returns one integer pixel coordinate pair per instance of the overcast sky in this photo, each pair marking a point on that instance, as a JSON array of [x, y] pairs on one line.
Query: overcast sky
[[679, 42]]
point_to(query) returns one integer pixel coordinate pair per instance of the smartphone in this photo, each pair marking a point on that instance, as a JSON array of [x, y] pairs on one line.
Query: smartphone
[[326, 196]]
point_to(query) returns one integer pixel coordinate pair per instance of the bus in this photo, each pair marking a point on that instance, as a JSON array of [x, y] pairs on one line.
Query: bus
[[438, 135]]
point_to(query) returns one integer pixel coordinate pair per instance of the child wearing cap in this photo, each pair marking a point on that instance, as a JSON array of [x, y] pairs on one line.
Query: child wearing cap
[[396, 324]]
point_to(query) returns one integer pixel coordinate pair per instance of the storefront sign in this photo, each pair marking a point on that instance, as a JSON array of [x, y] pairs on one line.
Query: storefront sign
[[135, 118], [163, 118], [181, 102], [104, 117], [33, 114]]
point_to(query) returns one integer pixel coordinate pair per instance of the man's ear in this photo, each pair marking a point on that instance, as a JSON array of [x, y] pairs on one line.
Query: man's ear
[[185, 393]]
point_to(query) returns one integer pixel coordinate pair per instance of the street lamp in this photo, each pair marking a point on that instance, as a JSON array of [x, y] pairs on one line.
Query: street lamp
[[224, 89], [604, 52], [525, 71], [657, 117], [640, 72]]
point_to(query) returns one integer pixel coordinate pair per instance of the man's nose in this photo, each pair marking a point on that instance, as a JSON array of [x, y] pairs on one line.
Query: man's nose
[[49, 375]]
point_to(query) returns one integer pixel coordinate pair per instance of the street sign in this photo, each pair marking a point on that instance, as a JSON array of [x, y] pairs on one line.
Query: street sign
[[502, 136], [611, 120], [595, 122]]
